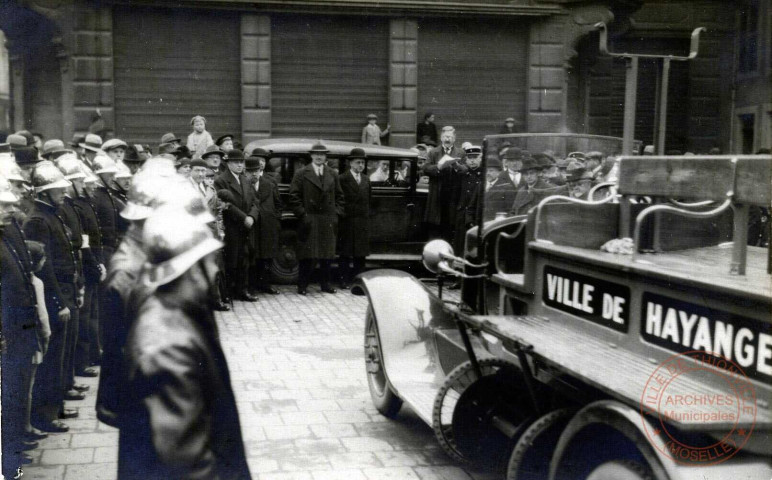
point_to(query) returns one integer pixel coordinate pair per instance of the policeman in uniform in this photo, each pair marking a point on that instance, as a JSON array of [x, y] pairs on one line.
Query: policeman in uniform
[[316, 199], [239, 219], [354, 242], [59, 275], [265, 236], [184, 418], [19, 335]]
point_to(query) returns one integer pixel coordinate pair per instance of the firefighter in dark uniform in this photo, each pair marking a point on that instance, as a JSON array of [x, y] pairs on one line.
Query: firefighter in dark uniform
[[60, 277], [239, 218], [66, 211], [354, 240], [184, 418], [468, 203], [316, 199], [87, 348], [265, 237], [19, 336], [107, 206]]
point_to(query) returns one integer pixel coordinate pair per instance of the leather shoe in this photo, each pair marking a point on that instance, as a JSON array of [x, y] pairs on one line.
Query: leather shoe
[[328, 289], [222, 307], [246, 296], [66, 413], [87, 372], [27, 445], [25, 459], [73, 395], [80, 387], [345, 286], [55, 427], [269, 289], [35, 434], [302, 291]]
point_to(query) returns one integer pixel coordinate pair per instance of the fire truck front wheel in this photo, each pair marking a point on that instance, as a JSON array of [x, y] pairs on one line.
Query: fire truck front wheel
[[383, 397]]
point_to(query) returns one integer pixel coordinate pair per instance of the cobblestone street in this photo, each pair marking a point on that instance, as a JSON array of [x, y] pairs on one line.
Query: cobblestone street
[[297, 370]]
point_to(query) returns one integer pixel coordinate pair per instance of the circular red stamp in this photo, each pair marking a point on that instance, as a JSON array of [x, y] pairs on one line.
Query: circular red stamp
[[698, 408]]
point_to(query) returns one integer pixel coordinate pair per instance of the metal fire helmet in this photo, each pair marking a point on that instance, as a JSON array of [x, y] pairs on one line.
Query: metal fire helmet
[[90, 175], [46, 177], [11, 170], [149, 192], [173, 242], [123, 171], [70, 166], [104, 164], [6, 192]]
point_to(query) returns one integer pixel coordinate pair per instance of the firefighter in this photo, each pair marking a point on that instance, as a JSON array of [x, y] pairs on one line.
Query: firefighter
[[184, 418]]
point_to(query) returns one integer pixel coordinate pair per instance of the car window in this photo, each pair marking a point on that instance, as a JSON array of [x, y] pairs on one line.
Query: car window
[[396, 173]]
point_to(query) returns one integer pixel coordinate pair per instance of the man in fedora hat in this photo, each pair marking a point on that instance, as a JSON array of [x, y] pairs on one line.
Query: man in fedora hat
[[91, 145], [53, 149], [371, 133], [239, 219], [316, 199], [354, 242], [535, 189], [171, 139], [214, 158], [264, 245]]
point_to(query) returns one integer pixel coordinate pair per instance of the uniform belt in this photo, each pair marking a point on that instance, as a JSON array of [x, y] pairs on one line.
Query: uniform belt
[[66, 277]]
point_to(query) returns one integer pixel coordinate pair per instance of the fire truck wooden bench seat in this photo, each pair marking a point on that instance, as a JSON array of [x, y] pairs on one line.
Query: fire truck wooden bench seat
[[620, 373]]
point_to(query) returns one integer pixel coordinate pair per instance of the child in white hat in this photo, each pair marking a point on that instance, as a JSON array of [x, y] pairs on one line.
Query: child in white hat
[[199, 139]]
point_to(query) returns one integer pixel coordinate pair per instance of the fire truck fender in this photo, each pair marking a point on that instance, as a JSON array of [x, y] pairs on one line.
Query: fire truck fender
[[608, 423]]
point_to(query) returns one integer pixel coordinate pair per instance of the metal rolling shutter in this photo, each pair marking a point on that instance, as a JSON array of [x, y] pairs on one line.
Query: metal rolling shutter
[[472, 74], [327, 74], [172, 64]]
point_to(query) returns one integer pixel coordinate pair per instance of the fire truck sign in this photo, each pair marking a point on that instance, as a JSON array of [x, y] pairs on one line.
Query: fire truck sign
[[598, 301]]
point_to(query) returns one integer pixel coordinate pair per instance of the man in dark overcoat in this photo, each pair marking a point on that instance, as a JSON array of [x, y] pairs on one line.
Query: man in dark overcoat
[[264, 245], [316, 199], [443, 163], [468, 202], [183, 413], [239, 219], [535, 189], [354, 240]]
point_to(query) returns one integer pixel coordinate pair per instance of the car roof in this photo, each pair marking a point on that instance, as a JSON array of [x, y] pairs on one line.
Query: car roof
[[337, 148]]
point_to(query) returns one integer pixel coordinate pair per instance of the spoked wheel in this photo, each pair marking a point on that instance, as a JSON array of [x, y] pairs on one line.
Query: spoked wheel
[[620, 470], [381, 393], [284, 268], [466, 409], [530, 457]]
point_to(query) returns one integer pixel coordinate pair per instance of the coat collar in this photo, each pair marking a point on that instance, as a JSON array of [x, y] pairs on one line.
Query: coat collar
[[310, 174]]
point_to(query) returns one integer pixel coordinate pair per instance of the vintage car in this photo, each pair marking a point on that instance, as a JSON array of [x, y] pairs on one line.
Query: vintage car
[[578, 317], [396, 206]]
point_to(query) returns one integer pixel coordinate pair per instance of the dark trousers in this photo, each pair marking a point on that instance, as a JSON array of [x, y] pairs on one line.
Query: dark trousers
[[16, 375], [107, 253], [444, 232], [306, 267], [350, 268], [47, 393], [260, 274], [87, 347], [71, 339], [235, 261]]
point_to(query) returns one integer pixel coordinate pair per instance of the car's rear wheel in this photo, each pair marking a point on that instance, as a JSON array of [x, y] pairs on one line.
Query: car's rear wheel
[[383, 396], [284, 268]]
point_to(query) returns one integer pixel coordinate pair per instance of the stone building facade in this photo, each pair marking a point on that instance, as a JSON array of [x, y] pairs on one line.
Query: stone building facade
[[316, 68]]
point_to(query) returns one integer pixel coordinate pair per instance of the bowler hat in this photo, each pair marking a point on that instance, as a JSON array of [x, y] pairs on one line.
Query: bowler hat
[[198, 162], [52, 146], [16, 141], [493, 162], [357, 153], [513, 153], [222, 138], [543, 160], [252, 163], [213, 150], [135, 154], [26, 155], [530, 163], [235, 156], [318, 148], [169, 138], [92, 142], [260, 153]]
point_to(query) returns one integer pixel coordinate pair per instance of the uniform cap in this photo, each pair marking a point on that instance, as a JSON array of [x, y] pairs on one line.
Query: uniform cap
[[473, 149], [123, 171], [318, 148], [92, 142], [213, 150], [169, 138], [114, 143], [222, 138], [70, 166], [104, 164], [53, 146], [357, 153], [47, 177], [173, 243], [6, 193]]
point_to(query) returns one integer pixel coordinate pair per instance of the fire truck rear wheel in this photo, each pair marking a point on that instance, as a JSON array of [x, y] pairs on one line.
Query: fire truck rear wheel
[[466, 408], [383, 397], [531, 455], [620, 470]]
